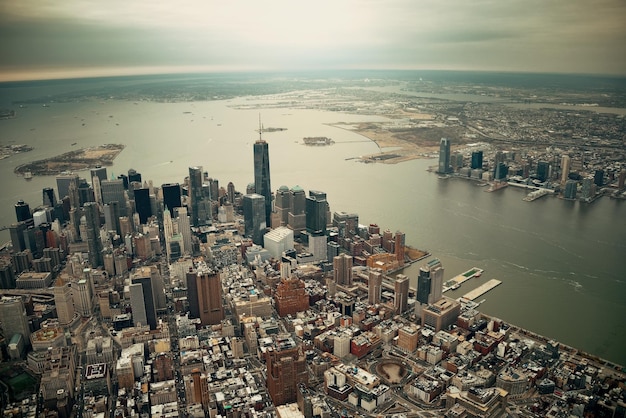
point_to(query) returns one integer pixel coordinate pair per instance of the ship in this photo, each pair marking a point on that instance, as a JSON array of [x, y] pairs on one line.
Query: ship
[[28, 175]]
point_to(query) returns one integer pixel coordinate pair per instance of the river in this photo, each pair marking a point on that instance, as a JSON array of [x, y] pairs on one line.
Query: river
[[561, 263]]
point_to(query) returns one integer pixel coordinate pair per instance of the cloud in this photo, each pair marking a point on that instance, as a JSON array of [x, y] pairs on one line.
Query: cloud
[[529, 35]]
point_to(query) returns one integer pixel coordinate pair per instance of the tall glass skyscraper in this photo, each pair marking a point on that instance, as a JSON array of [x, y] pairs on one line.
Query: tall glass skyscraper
[[444, 156], [195, 194], [92, 216], [254, 217], [262, 176]]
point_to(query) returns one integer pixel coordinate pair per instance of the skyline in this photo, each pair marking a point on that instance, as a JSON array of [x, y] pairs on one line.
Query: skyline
[[45, 39]]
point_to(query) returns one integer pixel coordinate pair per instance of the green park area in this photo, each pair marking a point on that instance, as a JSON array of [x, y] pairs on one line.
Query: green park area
[[20, 383]]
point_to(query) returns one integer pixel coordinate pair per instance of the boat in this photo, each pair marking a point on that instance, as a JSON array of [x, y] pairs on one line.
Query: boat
[[28, 175], [455, 286]]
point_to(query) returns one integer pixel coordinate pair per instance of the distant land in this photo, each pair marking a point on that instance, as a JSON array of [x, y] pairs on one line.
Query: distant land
[[80, 159]]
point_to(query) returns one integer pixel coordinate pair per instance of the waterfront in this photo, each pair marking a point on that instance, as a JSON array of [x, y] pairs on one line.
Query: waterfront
[[560, 262]]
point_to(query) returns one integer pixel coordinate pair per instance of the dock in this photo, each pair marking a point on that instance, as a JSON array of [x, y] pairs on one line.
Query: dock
[[482, 289], [457, 281]]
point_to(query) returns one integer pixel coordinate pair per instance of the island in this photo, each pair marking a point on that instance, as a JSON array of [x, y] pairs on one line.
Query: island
[[80, 159]]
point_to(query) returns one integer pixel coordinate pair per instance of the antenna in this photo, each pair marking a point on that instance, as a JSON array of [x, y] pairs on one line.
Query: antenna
[[260, 128]]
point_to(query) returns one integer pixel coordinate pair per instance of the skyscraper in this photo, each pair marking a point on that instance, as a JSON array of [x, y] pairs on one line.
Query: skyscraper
[[49, 198], [22, 213], [342, 269], [204, 292], [63, 302], [171, 196], [63, 183], [317, 211], [100, 172], [83, 298], [94, 243], [477, 159], [566, 163], [374, 286], [142, 204], [254, 217], [401, 292], [142, 300], [444, 156], [262, 175], [198, 207], [13, 317], [114, 191]]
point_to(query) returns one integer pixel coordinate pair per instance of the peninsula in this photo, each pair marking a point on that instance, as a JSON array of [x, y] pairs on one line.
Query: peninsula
[[77, 160]]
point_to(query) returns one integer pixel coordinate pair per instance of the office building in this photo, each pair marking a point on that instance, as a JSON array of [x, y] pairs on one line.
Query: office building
[[566, 163], [49, 199], [142, 204], [291, 297], [401, 293], [598, 178], [374, 286], [13, 318], [342, 270], [16, 231], [296, 218], [94, 243], [444, 156], [63, 183], [543, 170], [83, 297], [112, 217], [317, 213], [262, 184], [286, 369], [133, 176], [254, 216], [171, 196], [570, 189], [441, 314], [346, 223], [204, 293], [99, 172], [142, 300], [477, 160], [23, 213], [278, 240], [399, 247], [282, 206], [199, 204], [63, 301], [114, 191]]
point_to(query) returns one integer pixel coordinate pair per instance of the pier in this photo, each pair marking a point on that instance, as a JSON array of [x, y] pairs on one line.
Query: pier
[[457, 281], [482, 289]]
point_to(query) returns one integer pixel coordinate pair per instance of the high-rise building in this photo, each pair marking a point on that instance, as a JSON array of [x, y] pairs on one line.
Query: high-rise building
[[286, 369], [254, 216], [100, 172], [114, 191], [570, 189], [13, 318], [477, 159], [23, 213], [282, 205], [197, 205], [401, 293], [296, 218], [63, 183], [291, 297], [142, 300], [82, 296], [444, 156], [342, 270], [429, 284], [142, 204], [171, 196], [204, 293], [133, 176], [543, 170], [317, 213], [184, 228], [94, 243], [112, 217], [566, 163], [262, 184], [230, 190], [347, 223], [16, 232], [598, 178], [399, 247], [49, 199], [7, 276], [63, 301], [374, 286]]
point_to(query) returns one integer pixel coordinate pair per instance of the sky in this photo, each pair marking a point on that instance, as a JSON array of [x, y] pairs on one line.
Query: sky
[[69, 38]]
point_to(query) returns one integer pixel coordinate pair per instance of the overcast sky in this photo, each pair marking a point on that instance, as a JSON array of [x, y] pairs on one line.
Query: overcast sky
[[51, 38]]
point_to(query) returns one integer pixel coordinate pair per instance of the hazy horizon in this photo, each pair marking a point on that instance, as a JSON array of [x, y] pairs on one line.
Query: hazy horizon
[[44, 39]]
